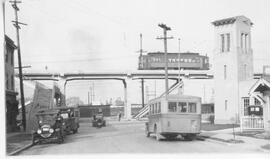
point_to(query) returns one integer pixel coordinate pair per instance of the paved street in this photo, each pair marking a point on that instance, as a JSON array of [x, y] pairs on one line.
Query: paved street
[[128, 137]]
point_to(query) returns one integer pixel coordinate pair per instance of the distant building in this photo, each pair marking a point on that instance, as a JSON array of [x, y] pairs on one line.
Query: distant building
[[87, 111], [11, 102], [233, 67], [187, 60]]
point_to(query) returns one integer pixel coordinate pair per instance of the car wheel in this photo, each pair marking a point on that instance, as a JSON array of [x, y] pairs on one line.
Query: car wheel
[[33, 140], [170, 136], [189, 137]]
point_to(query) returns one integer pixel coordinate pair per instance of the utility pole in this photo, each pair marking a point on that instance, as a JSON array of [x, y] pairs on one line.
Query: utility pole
[[141, 66], [88, 98], [165, 29], [142, 92], [179, 67], [93, 89], [17, 26], [141, 51]]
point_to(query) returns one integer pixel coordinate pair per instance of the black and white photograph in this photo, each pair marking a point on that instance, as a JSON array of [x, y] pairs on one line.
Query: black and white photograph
[[146, 78]]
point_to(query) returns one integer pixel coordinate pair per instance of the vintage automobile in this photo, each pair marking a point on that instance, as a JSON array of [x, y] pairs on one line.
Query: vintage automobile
[[173, 116], [50, 127], [98, 120], [71, 116]]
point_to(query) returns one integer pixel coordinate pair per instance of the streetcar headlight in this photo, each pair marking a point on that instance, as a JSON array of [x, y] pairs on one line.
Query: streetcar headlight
[[39, 131], [40, 122], [51, 130]]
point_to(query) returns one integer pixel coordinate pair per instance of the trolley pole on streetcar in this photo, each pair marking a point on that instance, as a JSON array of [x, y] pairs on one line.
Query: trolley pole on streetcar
[[17, 26], [165, 29]]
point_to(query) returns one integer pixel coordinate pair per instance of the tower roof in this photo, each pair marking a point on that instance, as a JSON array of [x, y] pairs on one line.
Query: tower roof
[[232, 20]]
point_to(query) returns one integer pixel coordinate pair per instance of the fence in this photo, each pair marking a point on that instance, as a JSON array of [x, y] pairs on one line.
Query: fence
[[249, 123]]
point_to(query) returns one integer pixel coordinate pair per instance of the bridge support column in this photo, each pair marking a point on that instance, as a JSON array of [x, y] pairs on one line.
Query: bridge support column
[[127, 99], [62, 86]]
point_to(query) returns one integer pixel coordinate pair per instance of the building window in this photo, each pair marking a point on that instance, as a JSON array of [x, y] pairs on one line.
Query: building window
[[159, 107], [12, 59], [172, 106], [228, 42], [192, 107], [222, 42], [7, 87], [6, 56], [12, 82], [242, 40], [225, 71], [246, 105], [226, 105], [182, 107]]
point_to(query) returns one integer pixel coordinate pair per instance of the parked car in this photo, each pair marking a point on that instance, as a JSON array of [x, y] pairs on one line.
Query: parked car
[[50, 127], [98, 120], [71, 116]]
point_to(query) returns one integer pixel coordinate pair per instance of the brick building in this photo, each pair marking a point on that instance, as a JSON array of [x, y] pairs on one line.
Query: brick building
[[11, 102]]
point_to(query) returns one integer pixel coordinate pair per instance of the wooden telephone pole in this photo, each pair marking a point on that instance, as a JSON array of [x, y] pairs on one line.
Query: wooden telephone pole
[[165, 29], [17, 26], [141, 66]]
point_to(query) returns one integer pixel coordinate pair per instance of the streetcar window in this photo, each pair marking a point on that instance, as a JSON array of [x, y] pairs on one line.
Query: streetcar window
[[182, 107], [192, 107], [172, 106]]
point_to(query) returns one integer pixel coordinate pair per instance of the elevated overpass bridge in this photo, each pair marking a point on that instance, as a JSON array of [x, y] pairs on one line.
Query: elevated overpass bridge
[[125, 77]]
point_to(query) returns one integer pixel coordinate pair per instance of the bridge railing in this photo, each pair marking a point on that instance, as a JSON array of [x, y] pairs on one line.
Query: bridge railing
[[142, 112]]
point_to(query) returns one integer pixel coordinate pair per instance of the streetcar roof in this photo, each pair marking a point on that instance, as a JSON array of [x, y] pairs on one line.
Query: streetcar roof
[[177, 97]]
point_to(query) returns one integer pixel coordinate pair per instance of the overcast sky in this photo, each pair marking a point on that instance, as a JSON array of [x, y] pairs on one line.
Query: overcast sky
[[102, 35]]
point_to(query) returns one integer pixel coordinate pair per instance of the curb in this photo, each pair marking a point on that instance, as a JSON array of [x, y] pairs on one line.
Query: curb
[[217, 141], [20, 149]]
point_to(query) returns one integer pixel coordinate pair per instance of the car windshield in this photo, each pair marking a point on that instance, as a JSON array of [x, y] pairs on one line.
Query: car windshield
[[64, 115], [47, 118]]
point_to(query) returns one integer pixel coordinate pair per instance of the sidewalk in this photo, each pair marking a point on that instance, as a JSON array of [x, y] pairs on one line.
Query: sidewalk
[[226, 136], [17, 141]]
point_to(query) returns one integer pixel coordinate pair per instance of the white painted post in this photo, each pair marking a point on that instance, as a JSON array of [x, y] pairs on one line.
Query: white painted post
[[127, 93]]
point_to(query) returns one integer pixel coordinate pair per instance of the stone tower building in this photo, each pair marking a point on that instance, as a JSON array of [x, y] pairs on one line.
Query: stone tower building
[[233, 64]]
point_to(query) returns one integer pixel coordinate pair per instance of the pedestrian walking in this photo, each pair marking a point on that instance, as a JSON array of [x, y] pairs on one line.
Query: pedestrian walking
[[119, 116]]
